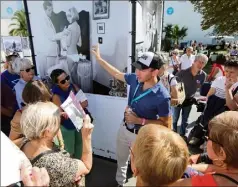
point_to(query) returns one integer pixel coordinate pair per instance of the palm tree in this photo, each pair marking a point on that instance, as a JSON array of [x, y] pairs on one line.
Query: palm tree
[[19, 24], [174, 33], [178, 34], [168, 31]]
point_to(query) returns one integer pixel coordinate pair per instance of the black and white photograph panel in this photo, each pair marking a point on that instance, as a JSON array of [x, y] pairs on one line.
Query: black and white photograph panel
[[67, 43], [26, 47], [12, 44], [101, 28], [101, 9], [25, 43], [151, 11]]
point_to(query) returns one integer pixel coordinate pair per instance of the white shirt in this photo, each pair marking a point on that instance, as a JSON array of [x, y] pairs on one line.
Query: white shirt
[[12, 158], [186, 62], [50, 47], [165, 81], [219, 85]]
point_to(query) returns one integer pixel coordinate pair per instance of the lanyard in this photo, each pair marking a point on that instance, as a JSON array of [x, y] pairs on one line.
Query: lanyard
[[140, 96]]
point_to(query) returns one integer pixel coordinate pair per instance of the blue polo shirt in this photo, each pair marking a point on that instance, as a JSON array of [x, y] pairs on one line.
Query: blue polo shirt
[[153, 105], [10, 79]]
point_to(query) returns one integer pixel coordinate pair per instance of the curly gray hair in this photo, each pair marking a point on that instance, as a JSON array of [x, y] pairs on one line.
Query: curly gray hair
[[21, 64]]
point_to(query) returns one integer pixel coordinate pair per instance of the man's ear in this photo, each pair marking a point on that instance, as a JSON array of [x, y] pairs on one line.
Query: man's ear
[[135, 172], [155, 72]]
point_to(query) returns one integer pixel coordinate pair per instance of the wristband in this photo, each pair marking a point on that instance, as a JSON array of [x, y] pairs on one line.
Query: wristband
[[143, 121]]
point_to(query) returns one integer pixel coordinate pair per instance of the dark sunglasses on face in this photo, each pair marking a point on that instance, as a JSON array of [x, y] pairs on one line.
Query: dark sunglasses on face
[[65, 80], [29, 69]]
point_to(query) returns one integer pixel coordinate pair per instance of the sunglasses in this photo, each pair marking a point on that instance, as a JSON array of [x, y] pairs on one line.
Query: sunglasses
[[207, 138], [29, 69], [65, 80]]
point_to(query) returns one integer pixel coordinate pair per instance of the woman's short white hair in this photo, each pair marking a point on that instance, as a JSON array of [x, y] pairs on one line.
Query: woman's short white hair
[[39, 117], [175, 51], [21, 64]]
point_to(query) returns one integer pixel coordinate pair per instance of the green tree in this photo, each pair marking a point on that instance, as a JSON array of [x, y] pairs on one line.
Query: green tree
[[174, 33], [178, 34], [19, 24], [221, 14]]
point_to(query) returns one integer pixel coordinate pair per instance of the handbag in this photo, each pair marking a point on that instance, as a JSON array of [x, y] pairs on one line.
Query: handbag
[[181, 91]]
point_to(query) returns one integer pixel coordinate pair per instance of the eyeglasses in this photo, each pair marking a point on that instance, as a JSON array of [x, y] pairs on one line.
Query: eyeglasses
[[29, 69], [65, 80], [207, 138]]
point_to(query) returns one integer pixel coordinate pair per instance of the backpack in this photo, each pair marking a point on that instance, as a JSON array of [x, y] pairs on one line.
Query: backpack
[[181, 91]]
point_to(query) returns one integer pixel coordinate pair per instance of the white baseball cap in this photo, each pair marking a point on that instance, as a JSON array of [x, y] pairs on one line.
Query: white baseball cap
[[149, 60]]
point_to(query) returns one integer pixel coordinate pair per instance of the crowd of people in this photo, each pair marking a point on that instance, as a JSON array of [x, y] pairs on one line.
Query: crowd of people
[[33, 119]]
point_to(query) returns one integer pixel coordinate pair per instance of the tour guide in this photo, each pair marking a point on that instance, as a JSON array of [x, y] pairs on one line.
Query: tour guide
[[149, 102]]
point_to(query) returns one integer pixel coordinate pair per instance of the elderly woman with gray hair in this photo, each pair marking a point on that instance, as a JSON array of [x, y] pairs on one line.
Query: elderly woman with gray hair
[[25, 69], [40, 123]]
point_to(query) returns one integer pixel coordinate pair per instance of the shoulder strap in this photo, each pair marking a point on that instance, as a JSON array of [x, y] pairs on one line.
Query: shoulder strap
[[235, 91], [227, 177], [24, 142], [212, 72], [221, 68], [170, 79], [42, 154]]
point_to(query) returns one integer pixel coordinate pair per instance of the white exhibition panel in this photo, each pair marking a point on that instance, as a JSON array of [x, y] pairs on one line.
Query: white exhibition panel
[[108, 113], [116, 44]]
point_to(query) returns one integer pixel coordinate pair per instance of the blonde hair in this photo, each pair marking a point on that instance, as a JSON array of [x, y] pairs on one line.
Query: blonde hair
[[39, 117], [21, 64], [223, 130], [74, 12], [175, 51], [189, 48], [160, 155]]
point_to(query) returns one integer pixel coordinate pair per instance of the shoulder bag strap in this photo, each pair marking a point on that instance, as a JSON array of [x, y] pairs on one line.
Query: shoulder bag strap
[[42, 154], [227, 177], [170, 79], [235, 91]]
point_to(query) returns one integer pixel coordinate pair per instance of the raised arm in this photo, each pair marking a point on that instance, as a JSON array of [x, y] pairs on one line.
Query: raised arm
[[231, 101], [108, 67], [86, 162]]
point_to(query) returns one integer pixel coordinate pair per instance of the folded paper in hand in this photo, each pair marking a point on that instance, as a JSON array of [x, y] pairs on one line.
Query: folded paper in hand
[[74, 110], [80, 96]]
